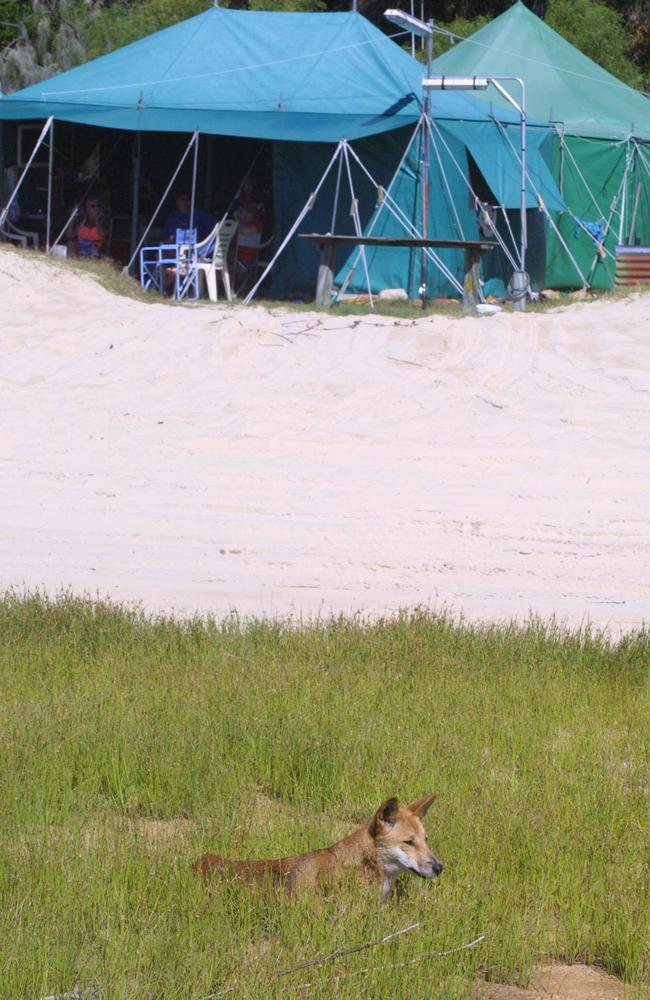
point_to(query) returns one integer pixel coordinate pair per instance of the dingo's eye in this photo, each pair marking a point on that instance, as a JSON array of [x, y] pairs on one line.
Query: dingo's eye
[[410, 842]]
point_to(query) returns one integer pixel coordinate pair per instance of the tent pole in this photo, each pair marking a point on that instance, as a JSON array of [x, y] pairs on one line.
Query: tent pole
[[521, 110], [307, 207], [383, 205], [5, 211], [354, 212], [335, 206], [50, 169], [497, 235], [209, 156], [443, 174], [425, 166], [2, 161], [194, 169], [544, 209], [393, 208], [135, 201], [161, 202], [85, 194], [637, 195], [621, 218], [554, 227], [612, 210], [135, 198]]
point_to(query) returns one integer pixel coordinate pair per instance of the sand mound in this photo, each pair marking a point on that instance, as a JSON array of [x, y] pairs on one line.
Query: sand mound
[[559, 982], [216, 458]]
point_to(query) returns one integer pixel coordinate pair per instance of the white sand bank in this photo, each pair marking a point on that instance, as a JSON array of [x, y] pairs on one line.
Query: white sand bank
[[202, 458]]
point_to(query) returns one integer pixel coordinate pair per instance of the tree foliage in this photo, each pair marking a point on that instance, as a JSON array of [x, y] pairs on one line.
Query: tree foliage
[[597, 30]]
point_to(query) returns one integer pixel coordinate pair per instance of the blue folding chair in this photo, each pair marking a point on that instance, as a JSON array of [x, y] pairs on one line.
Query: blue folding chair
[[157, 262]]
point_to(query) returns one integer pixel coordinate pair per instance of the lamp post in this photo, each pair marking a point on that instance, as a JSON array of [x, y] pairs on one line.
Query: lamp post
[[520, 283], [421, 29]]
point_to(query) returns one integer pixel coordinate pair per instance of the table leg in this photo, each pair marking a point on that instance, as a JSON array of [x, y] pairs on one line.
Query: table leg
[[471, 282], [325, 280]]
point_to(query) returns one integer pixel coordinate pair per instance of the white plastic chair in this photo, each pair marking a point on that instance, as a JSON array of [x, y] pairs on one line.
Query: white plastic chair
[[11, 231], [212, 258]]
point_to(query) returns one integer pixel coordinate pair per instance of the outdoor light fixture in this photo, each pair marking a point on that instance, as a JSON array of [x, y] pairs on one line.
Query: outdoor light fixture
[[409, 23], [456, 83]]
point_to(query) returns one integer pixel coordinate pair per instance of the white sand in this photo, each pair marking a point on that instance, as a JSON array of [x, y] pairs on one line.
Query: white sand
[[202, 458]]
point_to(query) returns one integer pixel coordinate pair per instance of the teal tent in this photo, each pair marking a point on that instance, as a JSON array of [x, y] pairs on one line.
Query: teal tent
[[601, 159], [305, 77], [299, 80]]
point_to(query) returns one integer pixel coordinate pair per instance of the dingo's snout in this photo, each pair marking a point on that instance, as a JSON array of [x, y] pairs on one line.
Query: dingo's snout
[[435, 867]]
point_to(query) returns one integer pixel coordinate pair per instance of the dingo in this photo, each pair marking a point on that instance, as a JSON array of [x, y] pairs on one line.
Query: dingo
[[392, 842]]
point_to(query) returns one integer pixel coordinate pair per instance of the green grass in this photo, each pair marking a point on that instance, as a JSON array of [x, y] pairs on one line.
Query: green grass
[[128, 746], [110, 275]]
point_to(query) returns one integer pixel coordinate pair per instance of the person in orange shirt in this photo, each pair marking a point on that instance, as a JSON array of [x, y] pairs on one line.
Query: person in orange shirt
[[89, 240]]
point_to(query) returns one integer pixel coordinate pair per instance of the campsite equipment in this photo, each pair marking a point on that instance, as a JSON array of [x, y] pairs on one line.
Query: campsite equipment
[[632, 266], [304, 83], [601, 154]]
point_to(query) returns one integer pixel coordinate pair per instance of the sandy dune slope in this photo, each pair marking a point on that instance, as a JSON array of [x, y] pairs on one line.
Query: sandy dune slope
[[202, 458]]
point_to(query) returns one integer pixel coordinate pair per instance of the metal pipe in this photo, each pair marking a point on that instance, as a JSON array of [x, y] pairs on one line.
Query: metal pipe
[[425, 168], [50, 168], [194, 170], [162, 200], [5, 211], [135, 204], [521, 109]]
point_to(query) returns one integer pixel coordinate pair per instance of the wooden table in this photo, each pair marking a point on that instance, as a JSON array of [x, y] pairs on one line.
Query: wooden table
[[328, 242]]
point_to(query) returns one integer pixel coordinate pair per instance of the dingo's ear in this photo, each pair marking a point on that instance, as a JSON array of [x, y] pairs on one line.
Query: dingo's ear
[[422, 806], [385, 816]]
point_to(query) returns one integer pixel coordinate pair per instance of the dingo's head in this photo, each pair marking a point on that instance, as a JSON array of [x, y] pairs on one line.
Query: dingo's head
[[401, 841]]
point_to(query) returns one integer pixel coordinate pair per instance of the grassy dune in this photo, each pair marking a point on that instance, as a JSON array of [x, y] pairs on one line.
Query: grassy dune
[[129, 746]]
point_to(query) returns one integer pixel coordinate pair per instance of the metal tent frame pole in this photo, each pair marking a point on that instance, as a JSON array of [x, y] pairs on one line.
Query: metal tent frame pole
[[354, 212], [194, 139], [394, 209], [307, 207], [383, 196], [425, 168], [497, 235], [44, 131], [195, 165], [545, 211], [50, 169], [135, 201], [87, 191]]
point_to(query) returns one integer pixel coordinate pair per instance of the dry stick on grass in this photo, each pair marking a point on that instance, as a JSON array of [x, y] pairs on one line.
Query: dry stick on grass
[[329, 958], [348, 951], [401, 965]]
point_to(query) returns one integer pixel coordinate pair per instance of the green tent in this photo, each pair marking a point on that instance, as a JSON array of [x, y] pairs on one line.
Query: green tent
[[601, 160], [302, 81]]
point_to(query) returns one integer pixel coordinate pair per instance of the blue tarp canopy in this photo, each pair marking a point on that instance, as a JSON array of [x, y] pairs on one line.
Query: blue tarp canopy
[[267, 75]]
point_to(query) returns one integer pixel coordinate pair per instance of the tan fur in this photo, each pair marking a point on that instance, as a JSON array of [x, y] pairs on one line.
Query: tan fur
[[394, 841]]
